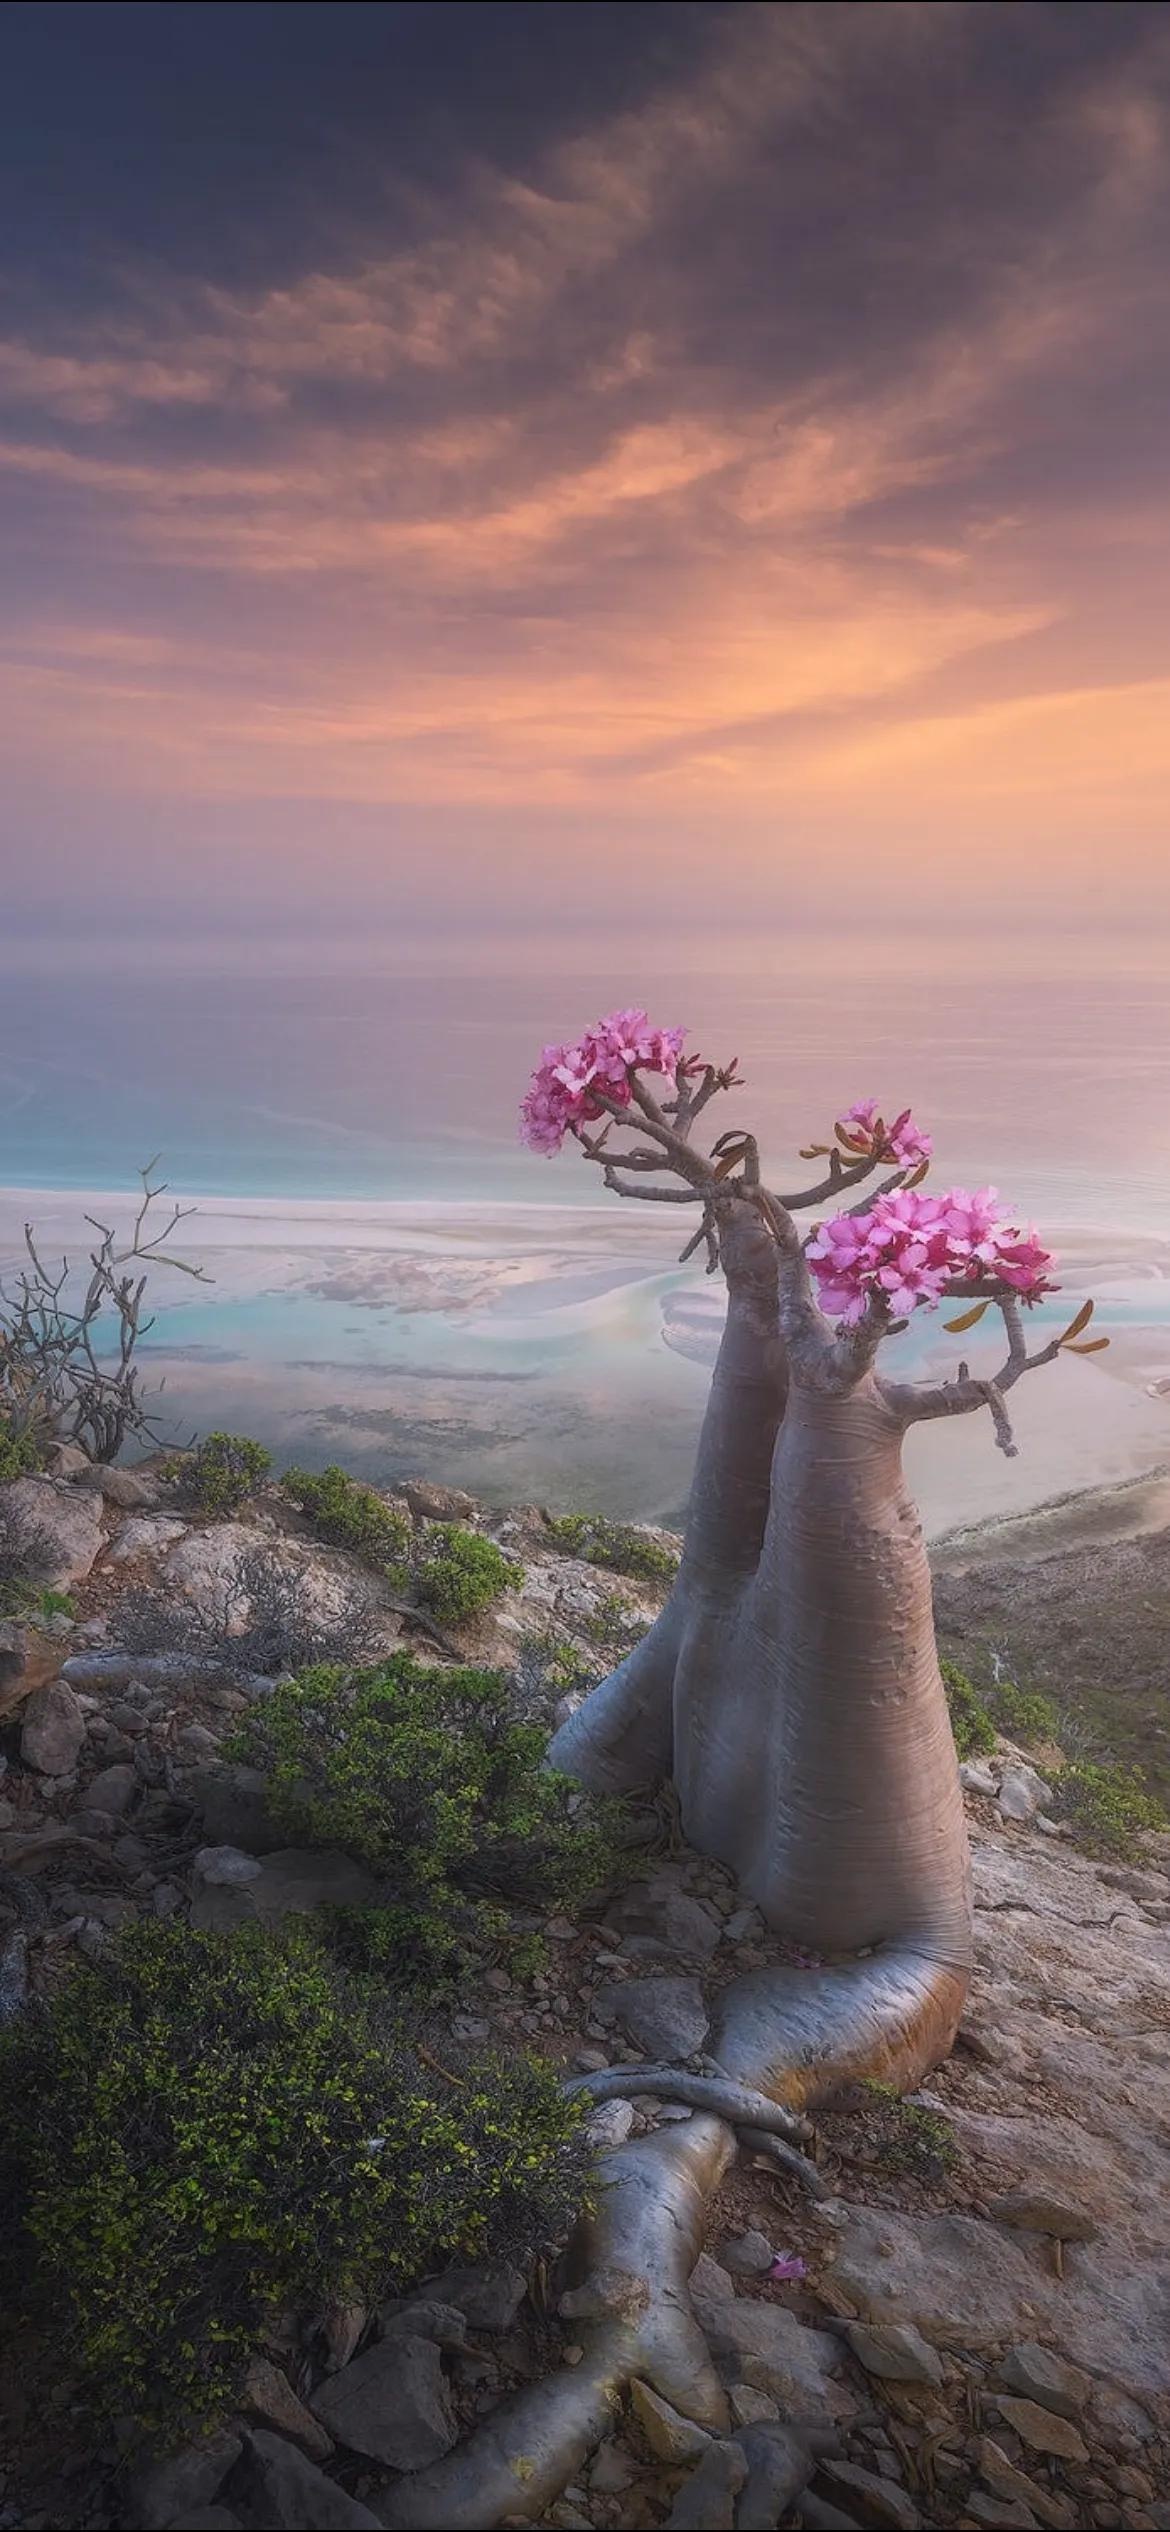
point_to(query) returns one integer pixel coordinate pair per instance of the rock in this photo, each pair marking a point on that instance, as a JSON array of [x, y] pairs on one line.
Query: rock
[[66, 1459], [895, 2351], [438, 1503], [609, 2124], [1049, 2380], [196, 1744], [127, 1488], [232, 1803], [28, 1658], [1042, 2430], [884, 2499], [489, 2297], [664, 2016], [391, 2404], [764, 2344], [59, 1526], [706, 2503], [290, 1883], [653, 1921], [1016, 2517], [269, 2395], [225, 1867], [112, 1789], [779, 2466], [613, 2469], [1017, 2489], [342, 2325], [671, 2437], [289, 2494], [147, 1534], [975, 1776], [710, 2279], [744, 1925], [424, 2317], [1022, 1793], [750, 2407], [53, 1730], [1030, 2211], [746, 2254], [168, 2490]]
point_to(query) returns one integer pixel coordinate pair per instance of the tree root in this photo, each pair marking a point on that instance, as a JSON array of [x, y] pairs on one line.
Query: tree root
[[891, 2016], [715, 2093]]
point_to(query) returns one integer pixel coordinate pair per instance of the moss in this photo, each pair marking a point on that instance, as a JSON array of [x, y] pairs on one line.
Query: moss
[[423, 1774], [351, 1515], [1107, 1807], [199, 2131], [971, 1724], [614, 1544], [463, 1574], [220, 1474], [902, 2137]]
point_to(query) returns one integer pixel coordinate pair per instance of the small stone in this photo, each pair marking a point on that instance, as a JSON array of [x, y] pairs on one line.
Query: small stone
[[1022, 1793], [610, 2124], [710, 2278], [743, 1926], [489, 2297], [975, 1777], [750, 2407], [1017, 2489], [591, 2061], [706, 2503], [112, 1789], [887, 2503], [197, 1744], [1016, 2517], [288, 2491], [390, 2404], [613, 2469], [424, 2317], [342, 2325], [53, 1730], [1032, 2212], [225, 1867], [1049, 2380], [662, 1924], [561, 1930], [746, 2254], [1042, 2429], [665, 2016], [895, 2351], [670, 2436], [270, 2395], [573, 2353]]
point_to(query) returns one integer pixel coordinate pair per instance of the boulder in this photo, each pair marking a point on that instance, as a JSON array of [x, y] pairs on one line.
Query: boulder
[[666, 2017], [53, 1730], [292, 1882], [129, 1488], [113, 1790], [765, 2345], [670, 2437], [168, 2489], [391, 2404], [145, 1534], [287, 2492], [489, 2297], [706, 2501], [269, 2395], [59, 1526], [1022, 1793]]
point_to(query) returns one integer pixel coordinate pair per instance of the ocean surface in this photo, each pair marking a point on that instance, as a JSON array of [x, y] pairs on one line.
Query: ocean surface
[[396, 1282]]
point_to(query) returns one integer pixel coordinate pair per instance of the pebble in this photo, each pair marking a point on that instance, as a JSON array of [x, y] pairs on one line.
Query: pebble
[[746, 2254]]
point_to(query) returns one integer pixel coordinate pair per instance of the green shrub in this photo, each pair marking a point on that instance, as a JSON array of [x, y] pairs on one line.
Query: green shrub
[[463, 1574], [613, 1624], [20, 1454], [1022, 1714], [1107, 1807], [198, 2131], [424, 1776], [614, 1544], [352, 1515], [220, 1474], [971, 1723]]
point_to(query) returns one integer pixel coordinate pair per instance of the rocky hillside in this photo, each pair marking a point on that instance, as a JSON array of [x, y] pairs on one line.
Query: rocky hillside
[[971, 2327]]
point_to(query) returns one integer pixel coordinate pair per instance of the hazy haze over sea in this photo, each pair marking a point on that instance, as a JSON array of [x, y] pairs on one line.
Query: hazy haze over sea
[[399, 1284]]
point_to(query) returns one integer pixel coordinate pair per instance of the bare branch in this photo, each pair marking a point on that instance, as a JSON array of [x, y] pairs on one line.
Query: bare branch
[[918, 1402]]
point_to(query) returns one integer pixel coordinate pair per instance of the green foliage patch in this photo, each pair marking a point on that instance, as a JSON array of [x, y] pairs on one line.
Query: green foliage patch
[[348, 1514], [198, 2131], [463, 1573], [978, 1714], [613, 1544], [902, 2137], [20, 1454], [971, 1724], [220, 1473], [1107, 1807]]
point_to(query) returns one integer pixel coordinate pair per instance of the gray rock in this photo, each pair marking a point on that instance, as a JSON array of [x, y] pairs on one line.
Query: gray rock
[[66, 1459], [664, 2016], [125, 1487], [233, 1805], [1033, 2211], [1043, 2429], [225, 1867], [1022, 1793], [1047, 2379], [895, 2351], [887, 2503], [746, 2254], [976, 1777], [671, 2437], [710, 2279], [744, 1925], [391, 2404], [750, 2407], [489, 2297], [207, 2519], [780, 2465], [764, 2344], [291, 1883], [652, 1921], [1014, 2488], [145, 1534], [425, 2318], [169, 2489], [53, 1730], [288, 2493], [60, 1525], [269, 2395], [609, 2124], [706, 2503], [112, 1789]]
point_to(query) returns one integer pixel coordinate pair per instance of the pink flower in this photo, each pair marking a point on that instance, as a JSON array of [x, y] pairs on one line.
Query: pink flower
[[572, 1083], [903, 1141], [909, 1249]]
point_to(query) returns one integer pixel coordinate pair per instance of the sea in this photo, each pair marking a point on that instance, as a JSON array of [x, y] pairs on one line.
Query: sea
[[386, 1277]]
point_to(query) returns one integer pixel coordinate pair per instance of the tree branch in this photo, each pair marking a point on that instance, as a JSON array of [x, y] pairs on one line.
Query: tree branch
[[919, 1402]]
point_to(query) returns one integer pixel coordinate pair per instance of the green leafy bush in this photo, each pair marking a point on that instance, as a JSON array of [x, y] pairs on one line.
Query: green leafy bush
[[971, 1724], [198, 2131], [1107, 1807], [348, 1514], [614, 1544], [220, 1474], [613, 1624], [1022, 1714], [463, 1573], [20, 1454], [423, 1774]]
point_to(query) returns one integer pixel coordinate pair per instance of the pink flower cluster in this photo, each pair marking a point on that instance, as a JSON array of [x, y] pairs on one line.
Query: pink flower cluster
[[862, 1128], [910, 1248], [570, 1082]]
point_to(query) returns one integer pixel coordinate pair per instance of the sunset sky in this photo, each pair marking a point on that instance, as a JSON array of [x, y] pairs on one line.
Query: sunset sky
[[696, 467]]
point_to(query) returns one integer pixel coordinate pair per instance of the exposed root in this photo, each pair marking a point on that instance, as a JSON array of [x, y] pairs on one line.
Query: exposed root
[[794, 2165], [717, 2094], [621, 1739], [891, 2016]]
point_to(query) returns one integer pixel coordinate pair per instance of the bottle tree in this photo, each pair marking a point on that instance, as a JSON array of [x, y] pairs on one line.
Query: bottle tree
[[790, 1688]]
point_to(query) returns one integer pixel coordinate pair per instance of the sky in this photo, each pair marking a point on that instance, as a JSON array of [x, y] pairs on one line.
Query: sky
[[478, 476]]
